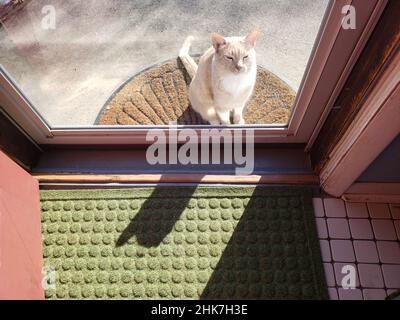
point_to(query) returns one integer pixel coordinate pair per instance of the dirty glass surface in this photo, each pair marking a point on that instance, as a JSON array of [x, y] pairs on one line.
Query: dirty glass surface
[[71, 59]]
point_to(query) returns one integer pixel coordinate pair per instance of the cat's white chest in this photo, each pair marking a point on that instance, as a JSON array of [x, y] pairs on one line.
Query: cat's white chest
[[237, 84]]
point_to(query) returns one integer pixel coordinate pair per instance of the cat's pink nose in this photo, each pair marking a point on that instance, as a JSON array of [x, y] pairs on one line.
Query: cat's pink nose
[[238, 68]]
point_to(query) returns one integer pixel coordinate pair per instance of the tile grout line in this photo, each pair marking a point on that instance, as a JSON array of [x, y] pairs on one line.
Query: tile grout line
[[374, 239]]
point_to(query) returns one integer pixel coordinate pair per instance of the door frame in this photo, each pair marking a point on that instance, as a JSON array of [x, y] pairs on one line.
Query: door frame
[[375, 126]]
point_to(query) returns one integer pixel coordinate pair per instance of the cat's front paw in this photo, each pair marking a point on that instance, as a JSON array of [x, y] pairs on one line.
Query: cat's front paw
[[214, 122], [239, 121]]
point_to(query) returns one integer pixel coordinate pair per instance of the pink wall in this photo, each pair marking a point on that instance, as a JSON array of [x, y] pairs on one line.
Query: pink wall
[[20, 233]]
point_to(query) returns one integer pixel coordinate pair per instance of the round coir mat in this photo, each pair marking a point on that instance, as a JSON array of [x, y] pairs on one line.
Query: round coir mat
[[158, 96]]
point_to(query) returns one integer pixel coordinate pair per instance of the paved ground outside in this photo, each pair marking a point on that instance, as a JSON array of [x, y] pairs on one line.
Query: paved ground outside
[[69, 73]]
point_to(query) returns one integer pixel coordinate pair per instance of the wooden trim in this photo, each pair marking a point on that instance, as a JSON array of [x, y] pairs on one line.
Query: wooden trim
[[105, 160], [172, 178], [373, 192], [375, 126], [374, 198], [383, 44]]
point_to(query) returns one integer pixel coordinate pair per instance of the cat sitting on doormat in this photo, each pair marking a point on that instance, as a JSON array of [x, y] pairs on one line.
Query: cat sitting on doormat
[[224, 79]]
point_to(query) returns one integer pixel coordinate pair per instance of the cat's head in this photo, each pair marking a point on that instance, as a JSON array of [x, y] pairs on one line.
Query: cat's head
[[236, 54]]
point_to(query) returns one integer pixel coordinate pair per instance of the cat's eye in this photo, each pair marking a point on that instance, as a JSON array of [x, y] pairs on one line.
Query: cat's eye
[[229, 58], [245, 57]]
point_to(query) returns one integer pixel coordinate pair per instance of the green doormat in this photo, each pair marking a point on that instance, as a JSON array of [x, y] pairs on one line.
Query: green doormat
[[182, 243]]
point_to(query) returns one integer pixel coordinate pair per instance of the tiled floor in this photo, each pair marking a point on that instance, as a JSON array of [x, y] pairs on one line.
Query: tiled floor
[[363, 236]]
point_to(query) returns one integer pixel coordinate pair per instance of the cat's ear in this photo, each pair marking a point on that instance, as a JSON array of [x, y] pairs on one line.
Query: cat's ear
[[252, 37], [217, 41]]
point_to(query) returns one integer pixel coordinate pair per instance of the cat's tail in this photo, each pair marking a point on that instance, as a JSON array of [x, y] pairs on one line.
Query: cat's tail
[[187, 60]]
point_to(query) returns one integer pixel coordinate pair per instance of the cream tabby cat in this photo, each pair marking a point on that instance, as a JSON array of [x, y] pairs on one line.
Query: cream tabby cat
[[224, 79]]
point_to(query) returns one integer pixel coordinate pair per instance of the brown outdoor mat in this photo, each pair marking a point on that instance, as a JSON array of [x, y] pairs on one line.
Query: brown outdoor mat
[[158, 96]]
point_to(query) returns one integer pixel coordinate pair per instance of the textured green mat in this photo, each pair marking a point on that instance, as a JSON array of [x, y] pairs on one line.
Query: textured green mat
[[182, 243]]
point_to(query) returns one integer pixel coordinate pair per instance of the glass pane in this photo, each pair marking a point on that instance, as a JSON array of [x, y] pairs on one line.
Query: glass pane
[[85, 63]]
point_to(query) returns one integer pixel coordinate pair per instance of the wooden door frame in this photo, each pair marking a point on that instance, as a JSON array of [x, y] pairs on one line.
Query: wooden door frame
[[375, 126], [365, 116]]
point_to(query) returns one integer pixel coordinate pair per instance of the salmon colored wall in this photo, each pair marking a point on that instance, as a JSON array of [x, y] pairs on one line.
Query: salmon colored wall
[[385, 168], [20, 233]]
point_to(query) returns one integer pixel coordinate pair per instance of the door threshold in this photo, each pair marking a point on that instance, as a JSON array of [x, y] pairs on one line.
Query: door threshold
[[291, 179]]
